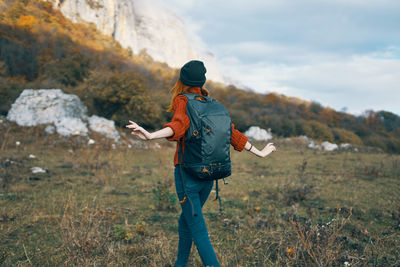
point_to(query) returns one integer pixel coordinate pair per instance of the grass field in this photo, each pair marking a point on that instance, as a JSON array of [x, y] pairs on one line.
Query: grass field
[[98, 206]]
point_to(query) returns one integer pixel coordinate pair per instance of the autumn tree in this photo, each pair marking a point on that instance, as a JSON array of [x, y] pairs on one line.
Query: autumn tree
[[120, 96]]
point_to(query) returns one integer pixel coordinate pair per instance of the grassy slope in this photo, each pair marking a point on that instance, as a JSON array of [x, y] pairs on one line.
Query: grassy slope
[[99, 205], [43, 49]]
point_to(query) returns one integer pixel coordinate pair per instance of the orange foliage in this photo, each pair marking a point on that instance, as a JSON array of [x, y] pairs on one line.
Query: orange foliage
[[27, 21], [272, 98], [330, 116], [371, 118]]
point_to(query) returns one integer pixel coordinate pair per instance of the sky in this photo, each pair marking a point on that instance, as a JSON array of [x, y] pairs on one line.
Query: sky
[[344, 54]]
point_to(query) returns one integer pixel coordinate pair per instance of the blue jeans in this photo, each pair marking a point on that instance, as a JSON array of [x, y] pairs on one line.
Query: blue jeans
[[193, 228]]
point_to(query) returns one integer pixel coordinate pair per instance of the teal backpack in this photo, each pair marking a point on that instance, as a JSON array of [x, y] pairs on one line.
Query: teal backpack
[[207, 141]]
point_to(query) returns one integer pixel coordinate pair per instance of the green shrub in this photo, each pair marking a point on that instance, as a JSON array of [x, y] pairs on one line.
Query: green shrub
[[122, 233], [165, 198], [120, 97], [9, 91], [68, 70], [375, 141], [317, 130], [346, 136]]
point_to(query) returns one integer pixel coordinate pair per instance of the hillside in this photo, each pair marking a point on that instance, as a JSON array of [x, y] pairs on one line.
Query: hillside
[[40, 48]]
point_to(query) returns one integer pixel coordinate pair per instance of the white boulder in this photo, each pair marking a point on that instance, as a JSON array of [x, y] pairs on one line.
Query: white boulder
[[65, 111], [258, 134], [103, 126], [313, 145], [71, 126], [156, 146], [38, 170], [305, 138], [34, 107], [327, 146], [50, 129], [345, 146]]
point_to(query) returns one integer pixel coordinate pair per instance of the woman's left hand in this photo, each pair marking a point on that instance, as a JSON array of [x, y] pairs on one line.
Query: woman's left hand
[[139, 131], [268, 149]]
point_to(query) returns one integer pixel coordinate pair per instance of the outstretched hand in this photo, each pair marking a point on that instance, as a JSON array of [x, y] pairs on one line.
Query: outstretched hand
[[138, 131], [268, 149]]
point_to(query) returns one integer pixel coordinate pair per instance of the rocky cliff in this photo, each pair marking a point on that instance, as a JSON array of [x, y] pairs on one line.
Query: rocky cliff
[[141, 24]]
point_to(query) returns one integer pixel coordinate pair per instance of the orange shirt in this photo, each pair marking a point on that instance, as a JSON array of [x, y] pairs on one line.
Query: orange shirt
[[181, 122]]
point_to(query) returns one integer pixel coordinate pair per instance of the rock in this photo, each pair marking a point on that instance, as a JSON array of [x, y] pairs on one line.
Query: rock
[[50, 129], [327, 146], [103, 126], [71, 126], [37, 170], [156, 146], [258, 134], [65, 111], [34, 107], [91, 142], [313, 145], [345, 146], [310, 143], [138, 144], [306, 138], [142, 25]]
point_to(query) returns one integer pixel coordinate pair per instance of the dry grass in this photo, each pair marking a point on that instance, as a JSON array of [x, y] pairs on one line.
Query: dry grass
[[97, 205]]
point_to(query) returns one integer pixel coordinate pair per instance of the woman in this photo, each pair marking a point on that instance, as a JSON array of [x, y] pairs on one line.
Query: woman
[[192, 228]]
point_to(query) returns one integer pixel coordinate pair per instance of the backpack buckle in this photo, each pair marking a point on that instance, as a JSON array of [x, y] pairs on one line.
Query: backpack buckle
[[183, 200], [200, 98]]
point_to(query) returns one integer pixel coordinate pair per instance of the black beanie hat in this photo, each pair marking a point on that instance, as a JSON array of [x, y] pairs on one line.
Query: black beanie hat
[[193, 73]]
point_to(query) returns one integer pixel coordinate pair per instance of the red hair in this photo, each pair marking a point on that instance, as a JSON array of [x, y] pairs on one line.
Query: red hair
[[181, 88]]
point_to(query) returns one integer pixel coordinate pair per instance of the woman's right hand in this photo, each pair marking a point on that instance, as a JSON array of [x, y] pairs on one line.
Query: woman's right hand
[[139, 131]]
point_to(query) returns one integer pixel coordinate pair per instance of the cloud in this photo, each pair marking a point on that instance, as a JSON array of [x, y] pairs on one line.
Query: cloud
[[272, 52], [357, 82], [343, 53]]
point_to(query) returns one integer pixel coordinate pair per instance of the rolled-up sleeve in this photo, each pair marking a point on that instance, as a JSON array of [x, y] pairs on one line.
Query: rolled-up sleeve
[[238, 140], [180, 121]]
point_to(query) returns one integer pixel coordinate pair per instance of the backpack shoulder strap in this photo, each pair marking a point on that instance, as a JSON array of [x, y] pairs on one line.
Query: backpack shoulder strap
[[191, 96], [195, 96]]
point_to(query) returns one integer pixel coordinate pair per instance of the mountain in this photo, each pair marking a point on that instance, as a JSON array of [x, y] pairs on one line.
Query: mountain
[[41, 48], [142, 25]]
